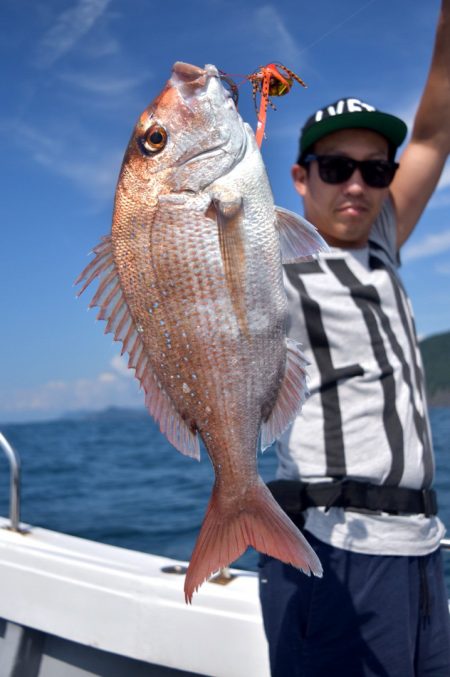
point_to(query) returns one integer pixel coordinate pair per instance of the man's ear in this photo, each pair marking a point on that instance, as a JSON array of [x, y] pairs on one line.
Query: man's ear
[[299, 175]]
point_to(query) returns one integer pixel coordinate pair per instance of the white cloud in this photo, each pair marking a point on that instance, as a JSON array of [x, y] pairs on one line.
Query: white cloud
[[95, 176], [428, 246], [271, 27], [69, 148], [444, 181], [120, 365], [443, 269], [439, 199], [57, 397], [441, 195], [116, 387], [77, 156], [103, 84], [407, 112], [102, 45], [70, 26], [107, 377]]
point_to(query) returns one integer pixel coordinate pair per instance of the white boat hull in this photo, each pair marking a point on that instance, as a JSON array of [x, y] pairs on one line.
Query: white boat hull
[[120, 601]]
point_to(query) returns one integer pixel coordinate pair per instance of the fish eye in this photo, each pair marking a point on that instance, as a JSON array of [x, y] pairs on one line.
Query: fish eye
[[154, 140]]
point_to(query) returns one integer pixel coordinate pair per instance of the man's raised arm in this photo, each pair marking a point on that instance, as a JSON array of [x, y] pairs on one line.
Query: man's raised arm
[[424, 157]]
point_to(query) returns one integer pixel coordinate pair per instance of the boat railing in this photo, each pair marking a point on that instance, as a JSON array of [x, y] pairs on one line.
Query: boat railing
[[14, 486], [14, 490]]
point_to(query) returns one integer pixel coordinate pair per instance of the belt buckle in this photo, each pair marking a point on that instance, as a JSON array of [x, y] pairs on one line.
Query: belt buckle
[[337, 487]]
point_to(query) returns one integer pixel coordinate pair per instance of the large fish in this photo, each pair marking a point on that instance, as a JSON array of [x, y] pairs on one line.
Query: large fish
[[190, 280]]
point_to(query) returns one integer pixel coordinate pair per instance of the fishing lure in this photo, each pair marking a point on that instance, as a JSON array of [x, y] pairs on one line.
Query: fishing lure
[[271, 80]]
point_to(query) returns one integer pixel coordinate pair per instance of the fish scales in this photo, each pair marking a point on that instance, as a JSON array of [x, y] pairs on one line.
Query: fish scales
[[190, 281], [185, 254]]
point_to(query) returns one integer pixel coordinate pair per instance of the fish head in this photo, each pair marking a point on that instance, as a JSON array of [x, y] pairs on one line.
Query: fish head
[[188, 137]]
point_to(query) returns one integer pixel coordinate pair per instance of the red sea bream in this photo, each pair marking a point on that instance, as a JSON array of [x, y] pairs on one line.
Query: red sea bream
[[190, 281]]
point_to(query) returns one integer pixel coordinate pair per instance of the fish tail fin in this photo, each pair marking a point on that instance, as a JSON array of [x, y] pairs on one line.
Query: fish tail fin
[[255, 519]]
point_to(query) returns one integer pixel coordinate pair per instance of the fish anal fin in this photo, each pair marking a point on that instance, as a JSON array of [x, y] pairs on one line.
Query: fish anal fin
[[257, 521], [293, 392], [179, 432], [299, 239], [115, 311]]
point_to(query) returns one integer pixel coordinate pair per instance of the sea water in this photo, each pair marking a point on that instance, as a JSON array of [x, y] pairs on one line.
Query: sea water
[[112, 477]]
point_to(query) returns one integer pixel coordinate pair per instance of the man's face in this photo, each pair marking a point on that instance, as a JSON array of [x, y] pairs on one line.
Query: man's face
[[344, 212]]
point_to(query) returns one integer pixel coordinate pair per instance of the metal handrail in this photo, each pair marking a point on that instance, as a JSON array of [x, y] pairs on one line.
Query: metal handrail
[[14, 491]]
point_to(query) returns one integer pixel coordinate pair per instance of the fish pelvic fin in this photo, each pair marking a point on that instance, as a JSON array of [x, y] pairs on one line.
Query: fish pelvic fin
[[293, 392], [115, 311], [299, 239], [255, 520]]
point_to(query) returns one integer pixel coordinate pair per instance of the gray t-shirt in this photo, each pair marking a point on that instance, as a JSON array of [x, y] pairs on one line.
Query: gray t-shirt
[[366, 417]]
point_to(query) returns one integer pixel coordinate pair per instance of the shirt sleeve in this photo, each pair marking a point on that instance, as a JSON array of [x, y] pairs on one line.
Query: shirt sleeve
[[383, 234]]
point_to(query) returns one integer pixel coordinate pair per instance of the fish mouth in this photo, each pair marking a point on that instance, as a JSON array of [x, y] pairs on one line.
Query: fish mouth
[[185, 73], [191, 81], [189, 74], [189, 78]]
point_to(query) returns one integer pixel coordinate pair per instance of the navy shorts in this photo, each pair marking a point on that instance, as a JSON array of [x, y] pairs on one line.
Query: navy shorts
[[370, 615]]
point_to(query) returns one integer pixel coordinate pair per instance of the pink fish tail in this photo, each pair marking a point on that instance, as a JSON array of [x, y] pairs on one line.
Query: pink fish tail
[[257, 521]]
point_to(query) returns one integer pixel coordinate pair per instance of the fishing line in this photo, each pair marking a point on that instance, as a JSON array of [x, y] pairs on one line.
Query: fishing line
[[337, 26]]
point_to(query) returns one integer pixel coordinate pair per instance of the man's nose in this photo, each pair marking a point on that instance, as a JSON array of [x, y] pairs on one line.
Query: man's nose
[[355, 184]]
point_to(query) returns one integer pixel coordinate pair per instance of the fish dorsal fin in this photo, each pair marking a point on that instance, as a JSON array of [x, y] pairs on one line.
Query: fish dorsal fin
[[293, 392], [115, 310], [299, 239], [229, 216]]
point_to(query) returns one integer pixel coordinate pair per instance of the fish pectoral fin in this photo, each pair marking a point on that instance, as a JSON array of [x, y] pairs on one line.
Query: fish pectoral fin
[[229, 214], [299, 239], [227, 205], [115, 310], [293, 392], [255, 520]]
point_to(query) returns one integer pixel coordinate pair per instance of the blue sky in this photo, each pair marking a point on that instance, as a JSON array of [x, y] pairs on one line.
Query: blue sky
[[75, 76]]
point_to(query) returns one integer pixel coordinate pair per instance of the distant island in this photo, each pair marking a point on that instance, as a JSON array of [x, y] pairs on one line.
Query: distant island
[[436, 359], [110, 413]]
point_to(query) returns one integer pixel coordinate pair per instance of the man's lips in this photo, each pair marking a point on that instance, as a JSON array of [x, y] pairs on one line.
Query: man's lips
[[352, 208]]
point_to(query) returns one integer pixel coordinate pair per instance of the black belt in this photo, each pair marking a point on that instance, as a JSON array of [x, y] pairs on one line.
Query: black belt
[[295, 497]]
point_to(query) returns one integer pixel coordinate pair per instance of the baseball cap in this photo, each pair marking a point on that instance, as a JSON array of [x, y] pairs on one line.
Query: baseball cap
[[347, 114]]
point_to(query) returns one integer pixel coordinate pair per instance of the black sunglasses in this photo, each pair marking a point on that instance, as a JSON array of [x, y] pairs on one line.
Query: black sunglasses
[[339, 168]]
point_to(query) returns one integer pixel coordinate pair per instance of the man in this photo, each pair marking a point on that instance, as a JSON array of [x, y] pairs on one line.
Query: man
[[362, 445]]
